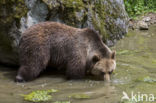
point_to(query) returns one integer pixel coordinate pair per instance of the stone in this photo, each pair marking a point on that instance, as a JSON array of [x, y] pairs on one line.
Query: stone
[[142, 25], [108, 17], [146, 19]]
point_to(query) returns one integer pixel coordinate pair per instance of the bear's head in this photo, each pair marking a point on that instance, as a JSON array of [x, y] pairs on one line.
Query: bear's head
[[103, 67]]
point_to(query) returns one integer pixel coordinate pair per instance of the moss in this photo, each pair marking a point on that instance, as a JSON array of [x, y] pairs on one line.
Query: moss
[[51, 4], [15, 9], [39, 95], [20, 9], [2, 1], [68, 10], [99, 10], [71, 7], [11, 12], [74, 4], [99, 24]]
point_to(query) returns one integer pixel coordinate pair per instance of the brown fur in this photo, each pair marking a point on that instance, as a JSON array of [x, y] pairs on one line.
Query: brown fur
[[58, 45]]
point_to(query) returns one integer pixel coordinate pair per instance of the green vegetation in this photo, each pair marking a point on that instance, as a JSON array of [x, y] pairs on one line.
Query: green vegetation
[[15, 9], [138, 7], [39, 95], [73, 4], [44, 95], [100, 22]]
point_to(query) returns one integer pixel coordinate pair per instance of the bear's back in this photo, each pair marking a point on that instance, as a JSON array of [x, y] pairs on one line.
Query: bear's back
[[49, 28]]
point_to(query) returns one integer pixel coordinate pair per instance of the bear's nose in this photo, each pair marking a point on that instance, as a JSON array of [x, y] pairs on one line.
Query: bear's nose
[[107, 77]]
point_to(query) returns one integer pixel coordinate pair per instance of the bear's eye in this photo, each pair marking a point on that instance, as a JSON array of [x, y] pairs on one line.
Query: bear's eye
[[103, 73]]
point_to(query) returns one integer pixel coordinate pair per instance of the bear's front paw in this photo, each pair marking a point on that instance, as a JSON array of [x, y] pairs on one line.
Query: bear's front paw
[[19, 79]]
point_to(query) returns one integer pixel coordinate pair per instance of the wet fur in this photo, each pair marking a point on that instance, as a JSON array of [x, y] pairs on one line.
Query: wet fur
[[58, 45]]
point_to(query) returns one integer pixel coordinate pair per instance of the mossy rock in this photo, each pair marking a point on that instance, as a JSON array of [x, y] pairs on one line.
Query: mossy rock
[[101, 15], [107, 17], [14, 9], [11, 12]]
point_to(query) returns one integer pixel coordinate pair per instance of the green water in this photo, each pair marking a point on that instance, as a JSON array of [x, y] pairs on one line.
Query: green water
[[135, 72]]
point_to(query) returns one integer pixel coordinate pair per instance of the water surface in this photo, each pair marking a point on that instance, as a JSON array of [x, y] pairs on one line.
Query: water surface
[[136, 61]]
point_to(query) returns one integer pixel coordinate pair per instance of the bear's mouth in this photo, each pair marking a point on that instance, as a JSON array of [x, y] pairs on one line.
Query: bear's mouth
[[106, 77]]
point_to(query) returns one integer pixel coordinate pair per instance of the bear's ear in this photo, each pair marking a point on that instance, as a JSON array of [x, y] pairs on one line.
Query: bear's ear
[[113, 55], [96, 58]]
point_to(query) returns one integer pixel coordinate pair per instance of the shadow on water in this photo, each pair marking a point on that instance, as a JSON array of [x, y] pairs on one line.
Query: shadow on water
[[8, 72], [136, 62]]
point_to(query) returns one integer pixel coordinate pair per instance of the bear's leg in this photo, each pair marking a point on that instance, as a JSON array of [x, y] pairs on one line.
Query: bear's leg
[[33, 64], [27, 73], [75, 69]]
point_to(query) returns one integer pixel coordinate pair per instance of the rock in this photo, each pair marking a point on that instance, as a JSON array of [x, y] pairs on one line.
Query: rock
[[143, 21], [38, 12], [146, 19], [142, 25], [11, 11], [108, 17]]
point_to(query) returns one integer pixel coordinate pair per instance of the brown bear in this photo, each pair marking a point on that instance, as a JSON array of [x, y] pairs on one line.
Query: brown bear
[[77, 51]]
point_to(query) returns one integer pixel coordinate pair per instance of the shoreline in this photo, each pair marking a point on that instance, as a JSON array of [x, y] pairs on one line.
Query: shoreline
[[142, 22]]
